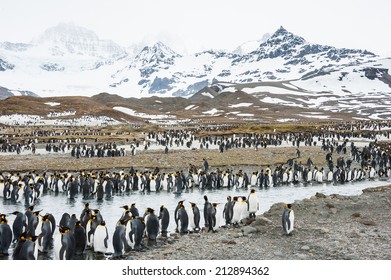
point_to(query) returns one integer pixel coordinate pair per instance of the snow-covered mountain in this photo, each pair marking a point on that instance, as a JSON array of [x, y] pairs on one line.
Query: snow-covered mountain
[[251, 46], [68, 38], [71, 60]]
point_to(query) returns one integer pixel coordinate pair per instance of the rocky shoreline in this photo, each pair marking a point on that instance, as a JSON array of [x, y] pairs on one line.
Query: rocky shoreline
[[332, 227]]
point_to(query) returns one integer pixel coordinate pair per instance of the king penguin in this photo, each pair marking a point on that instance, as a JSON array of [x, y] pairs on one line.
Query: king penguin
[[212, 217], [101, 238], [64, 244], [26, 248], [194, 217], [183, 220], [253, 204], [228, 210], [5, 235], [137, 232], [151, 224], [133, 209], [164, 218], [237, 210], [288, 219], [119, 239], [207, 206], [80, 238], [20, 225], [180, 204], [45, 238]]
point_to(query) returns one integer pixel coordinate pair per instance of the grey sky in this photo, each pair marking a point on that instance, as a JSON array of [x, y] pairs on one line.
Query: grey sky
[[203, 24]]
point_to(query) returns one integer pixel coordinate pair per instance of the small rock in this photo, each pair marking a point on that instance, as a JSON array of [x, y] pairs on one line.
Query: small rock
[[320, 195], [356, 215], [261, 221], [351, 257], [333, 210], [278, 254], [248, 229], [367, 222], [354, 233], [329, 205], [324, 230], [324, 214], [231, 242], [305, 248], [301, 256]]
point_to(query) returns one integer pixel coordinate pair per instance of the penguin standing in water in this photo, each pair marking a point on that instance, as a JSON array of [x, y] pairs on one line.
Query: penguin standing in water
[[26, 248], [137, 232], [5, 235], [253, 204], [46, 236], [288, 219], [20, 225], [90, 230], [194, 217], [164, 219], [64, 244], [228, 210], [119, 238], [79, 234], [151, 224], [101, 238]]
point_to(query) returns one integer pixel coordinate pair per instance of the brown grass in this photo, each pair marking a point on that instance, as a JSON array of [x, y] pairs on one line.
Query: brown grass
[[174, 160]]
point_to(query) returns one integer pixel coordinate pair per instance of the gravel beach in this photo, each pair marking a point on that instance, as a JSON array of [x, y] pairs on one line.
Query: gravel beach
[[333, 227]]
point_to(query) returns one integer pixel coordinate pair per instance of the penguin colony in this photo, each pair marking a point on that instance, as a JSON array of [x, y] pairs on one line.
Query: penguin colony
[[33, 233]]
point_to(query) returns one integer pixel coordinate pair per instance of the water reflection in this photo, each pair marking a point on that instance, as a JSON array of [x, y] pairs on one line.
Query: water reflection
[[57, 204]]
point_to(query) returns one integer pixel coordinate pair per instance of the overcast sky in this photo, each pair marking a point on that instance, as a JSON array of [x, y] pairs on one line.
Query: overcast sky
[[203, 24]]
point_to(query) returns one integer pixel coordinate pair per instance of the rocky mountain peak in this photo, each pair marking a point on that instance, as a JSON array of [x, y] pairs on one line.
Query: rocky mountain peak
[[71, 38], [156, 54]]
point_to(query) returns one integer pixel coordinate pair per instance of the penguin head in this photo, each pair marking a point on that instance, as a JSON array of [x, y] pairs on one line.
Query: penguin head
[[252, 191], [214, 205], [36, 213], [205, 198], [23, 236], [161, 207], [150, 210], [78, 224], [102, 223], [3, 220], [33, 238], [193, 204], [64, 229]]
